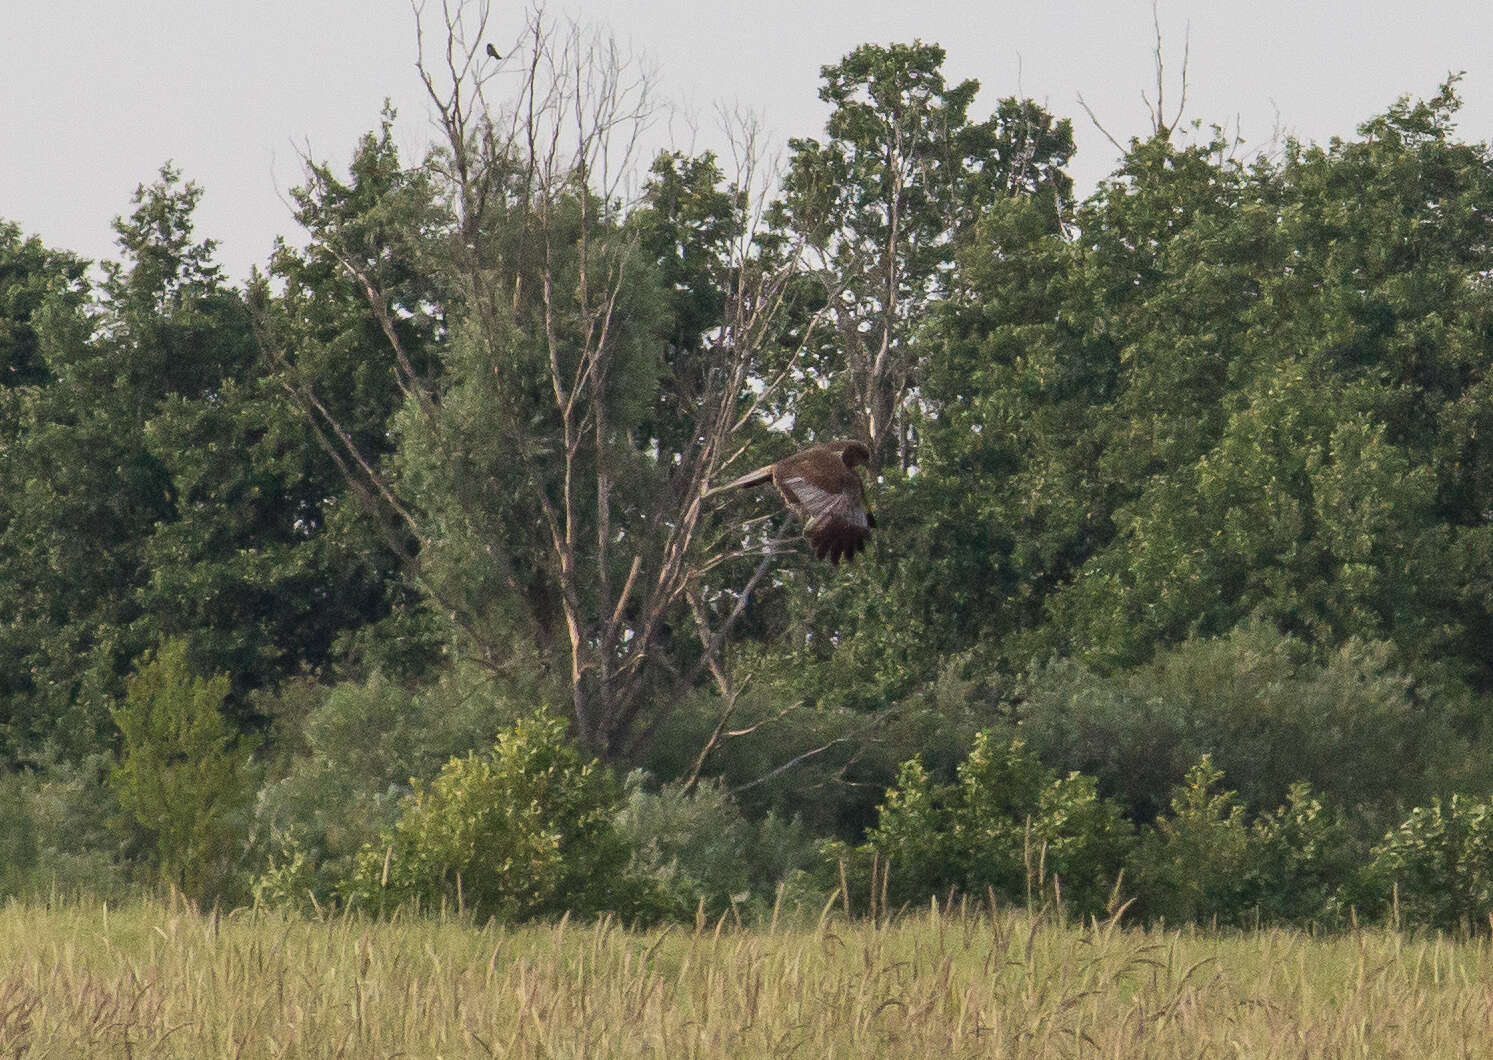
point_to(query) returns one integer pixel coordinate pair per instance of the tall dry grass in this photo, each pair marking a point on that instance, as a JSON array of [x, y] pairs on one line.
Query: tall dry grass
[[153, 979]]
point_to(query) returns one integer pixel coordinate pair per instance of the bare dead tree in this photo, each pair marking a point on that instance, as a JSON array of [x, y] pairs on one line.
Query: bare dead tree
[[536, 190], [1161, 125]]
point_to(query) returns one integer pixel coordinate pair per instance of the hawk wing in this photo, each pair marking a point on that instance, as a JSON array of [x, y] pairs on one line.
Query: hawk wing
[[834, 513], [822, 488]]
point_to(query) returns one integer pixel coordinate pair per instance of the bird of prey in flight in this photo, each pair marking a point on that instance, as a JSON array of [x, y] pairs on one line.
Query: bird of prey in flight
[[821, 486]]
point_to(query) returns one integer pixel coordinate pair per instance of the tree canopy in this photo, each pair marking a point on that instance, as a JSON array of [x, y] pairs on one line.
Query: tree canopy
[[1182, 483]]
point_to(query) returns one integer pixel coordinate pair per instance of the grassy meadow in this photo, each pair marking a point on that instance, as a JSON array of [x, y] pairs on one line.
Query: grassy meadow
[[156, 979]]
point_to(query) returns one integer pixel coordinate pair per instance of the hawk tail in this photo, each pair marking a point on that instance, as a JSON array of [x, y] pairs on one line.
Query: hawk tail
[[760, 477]]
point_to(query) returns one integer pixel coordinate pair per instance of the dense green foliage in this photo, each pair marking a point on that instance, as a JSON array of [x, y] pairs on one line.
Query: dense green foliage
[[1437, 867], [182, 775], [1005, 826], [524, 829], [58, 831], [1180, 593], [703, 854], [1255, 700]]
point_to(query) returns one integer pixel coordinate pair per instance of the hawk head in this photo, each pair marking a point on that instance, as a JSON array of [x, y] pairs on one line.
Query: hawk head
[[854, 454]]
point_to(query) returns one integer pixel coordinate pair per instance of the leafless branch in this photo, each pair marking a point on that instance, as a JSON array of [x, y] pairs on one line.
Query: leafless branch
[[1159, 124], [1098, 124], [798, 759], [537, 195]]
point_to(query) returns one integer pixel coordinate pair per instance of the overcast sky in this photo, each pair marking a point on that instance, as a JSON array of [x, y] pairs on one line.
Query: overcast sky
[[96, 94]]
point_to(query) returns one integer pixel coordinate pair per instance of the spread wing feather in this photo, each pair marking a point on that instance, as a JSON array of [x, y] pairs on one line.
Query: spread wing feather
[[821, 505], [835, 521], [821, 487]]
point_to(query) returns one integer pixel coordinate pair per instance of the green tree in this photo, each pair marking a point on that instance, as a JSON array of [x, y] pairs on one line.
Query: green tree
[[1065, 375], [1243, 391], [81, 494], [183, 775], [902, 174], [235, 563], [889, 205], [42, 292], [31, 274], [538, 494], [158, 483], [1190, 866], [1316, 474]]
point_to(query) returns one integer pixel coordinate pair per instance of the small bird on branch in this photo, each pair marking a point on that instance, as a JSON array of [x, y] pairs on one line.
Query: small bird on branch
[[494, 53], [821, 486]]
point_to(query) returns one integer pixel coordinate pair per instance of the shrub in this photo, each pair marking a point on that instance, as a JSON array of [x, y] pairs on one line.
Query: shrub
[[1201, 862], [1190, 865], [1137, 744], [694, 846], [1016, 826], [292, 875], [56, 830], [913, 838], [774, 726], [522, 830], [1080, 840], [183, 776], [359, 744], [701, 847], [1006, 824], [1256, 701], [1301, 857], [1436, 869]]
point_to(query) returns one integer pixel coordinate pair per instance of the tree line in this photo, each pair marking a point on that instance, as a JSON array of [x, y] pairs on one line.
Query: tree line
[[1185, 563]]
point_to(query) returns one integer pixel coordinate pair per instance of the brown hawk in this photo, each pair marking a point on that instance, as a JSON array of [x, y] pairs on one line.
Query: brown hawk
[[821, 486]]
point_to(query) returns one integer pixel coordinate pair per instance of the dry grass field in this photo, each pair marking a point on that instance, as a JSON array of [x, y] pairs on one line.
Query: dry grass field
[[150, 979]]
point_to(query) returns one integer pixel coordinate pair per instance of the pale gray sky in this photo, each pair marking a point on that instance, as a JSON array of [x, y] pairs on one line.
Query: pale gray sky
[[96, 94]]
